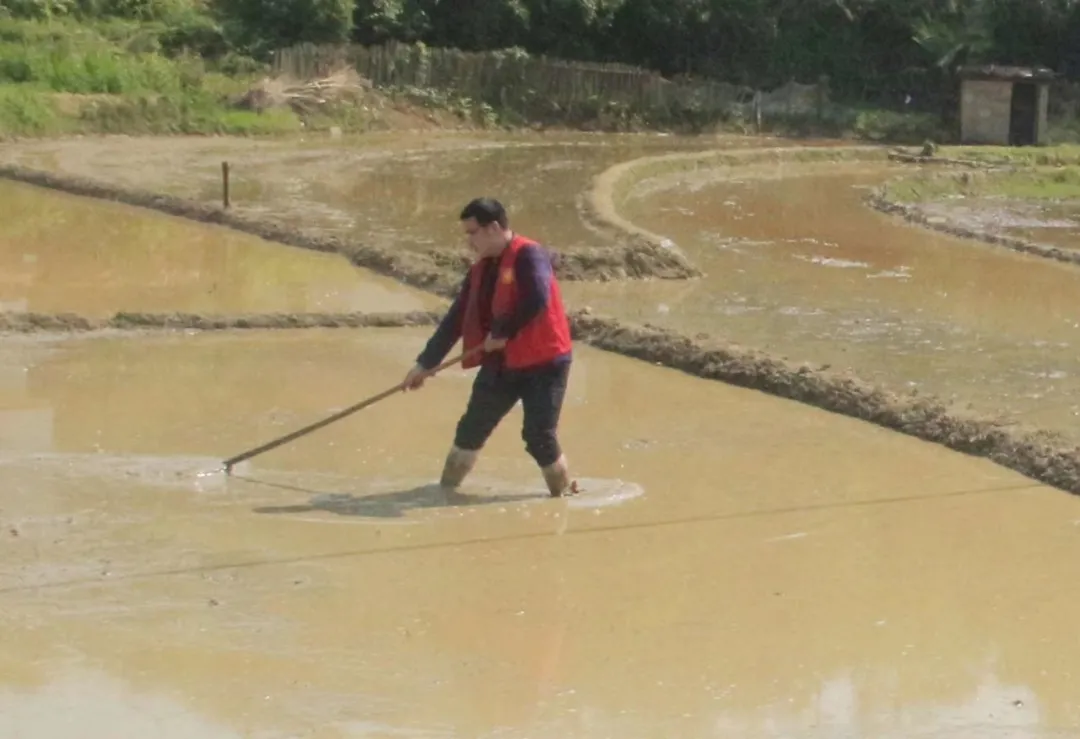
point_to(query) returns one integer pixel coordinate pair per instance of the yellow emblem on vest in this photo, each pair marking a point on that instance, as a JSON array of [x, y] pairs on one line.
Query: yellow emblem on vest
[[507, 276]]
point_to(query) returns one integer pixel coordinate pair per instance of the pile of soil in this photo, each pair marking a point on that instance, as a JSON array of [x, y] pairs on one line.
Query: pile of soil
[[636, 258], [306, 97], [345, 89]]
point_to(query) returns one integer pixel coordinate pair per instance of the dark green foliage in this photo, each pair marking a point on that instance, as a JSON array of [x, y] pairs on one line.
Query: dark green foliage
[[876, 51], [257, 27], [881, 54]]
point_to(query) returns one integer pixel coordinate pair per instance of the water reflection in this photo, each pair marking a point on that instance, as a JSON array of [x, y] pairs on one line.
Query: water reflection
[[843, 707], [94, 705], [413, 202], [96, 258], [27, 422]]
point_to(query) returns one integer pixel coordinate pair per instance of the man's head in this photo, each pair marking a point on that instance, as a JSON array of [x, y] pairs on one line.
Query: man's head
[[487, 229]]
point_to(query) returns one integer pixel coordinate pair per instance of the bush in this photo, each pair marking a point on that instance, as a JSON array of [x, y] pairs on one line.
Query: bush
[[62, 68], [258, 27], [195, 34], [125, 76], [25, 113], [36, 9]]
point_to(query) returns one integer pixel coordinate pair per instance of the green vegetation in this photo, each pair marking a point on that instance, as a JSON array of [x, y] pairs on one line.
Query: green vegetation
[[1061, 154], [182, 65], [57, 76], [1020, 173], [63, 75], [1036, 184], [873, 51]]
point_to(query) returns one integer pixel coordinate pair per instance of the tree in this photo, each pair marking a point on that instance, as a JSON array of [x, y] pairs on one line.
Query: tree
[[378, 21], [261, 26], [475, 25]]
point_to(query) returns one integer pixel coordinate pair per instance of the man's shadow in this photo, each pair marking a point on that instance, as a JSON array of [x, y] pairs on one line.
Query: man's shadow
[[390, 504]]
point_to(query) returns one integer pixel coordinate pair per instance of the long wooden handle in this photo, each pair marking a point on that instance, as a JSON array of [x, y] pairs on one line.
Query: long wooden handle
[[232, 461]]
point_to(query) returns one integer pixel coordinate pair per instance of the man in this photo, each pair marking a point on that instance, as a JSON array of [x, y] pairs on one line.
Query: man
[[509, 313]]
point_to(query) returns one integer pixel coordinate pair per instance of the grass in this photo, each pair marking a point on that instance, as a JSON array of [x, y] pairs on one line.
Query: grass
[[1033, 183], [25, 112], [1061, 154], [59, 77]]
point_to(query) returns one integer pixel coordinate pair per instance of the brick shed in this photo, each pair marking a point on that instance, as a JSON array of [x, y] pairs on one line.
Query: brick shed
[[1005, 106]]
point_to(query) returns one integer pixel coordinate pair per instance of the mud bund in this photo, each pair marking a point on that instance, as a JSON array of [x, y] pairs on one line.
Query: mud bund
[[901, 156], [1038, 455], [37, 322], [601, 206], [638, 259], [914, 215]]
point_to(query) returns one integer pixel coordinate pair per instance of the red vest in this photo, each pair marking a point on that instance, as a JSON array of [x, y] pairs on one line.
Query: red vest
[[541, 340]]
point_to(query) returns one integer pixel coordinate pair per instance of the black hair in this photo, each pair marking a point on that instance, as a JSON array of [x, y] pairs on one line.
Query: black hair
[[485, 211]]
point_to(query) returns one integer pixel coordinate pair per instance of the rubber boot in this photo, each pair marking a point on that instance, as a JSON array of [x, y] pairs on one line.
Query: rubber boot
[[557, 477], [459, 463]]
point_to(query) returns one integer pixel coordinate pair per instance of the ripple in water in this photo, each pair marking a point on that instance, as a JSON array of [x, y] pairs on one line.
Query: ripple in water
[[833, 262]]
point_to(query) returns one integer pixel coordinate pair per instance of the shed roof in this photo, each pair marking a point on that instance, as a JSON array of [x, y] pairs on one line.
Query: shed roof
[[1004, 73]]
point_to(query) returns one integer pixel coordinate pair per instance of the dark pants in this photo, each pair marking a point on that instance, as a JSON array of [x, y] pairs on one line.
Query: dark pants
[[496, 390]]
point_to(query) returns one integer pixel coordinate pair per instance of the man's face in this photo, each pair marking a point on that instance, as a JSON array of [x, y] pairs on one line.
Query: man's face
[[485, 241]]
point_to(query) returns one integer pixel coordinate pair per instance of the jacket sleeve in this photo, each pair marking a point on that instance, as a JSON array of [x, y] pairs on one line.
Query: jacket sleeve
[[533, 273], [448, 332]]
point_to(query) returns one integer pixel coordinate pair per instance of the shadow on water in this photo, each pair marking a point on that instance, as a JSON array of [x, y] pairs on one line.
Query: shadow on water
[[388, 504]]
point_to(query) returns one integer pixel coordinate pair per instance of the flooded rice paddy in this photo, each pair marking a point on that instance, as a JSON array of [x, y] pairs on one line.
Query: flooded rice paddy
[[386, 192], [740, 565], [798, 265], [773, 564], [64, 254]]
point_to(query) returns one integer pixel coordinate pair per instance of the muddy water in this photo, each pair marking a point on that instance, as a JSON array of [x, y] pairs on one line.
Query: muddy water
[[402, 192], [794, 573], [62, 253], [800, 267]]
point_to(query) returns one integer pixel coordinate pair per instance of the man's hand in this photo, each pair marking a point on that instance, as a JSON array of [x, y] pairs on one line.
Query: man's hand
[[491, 344], [414, 380]]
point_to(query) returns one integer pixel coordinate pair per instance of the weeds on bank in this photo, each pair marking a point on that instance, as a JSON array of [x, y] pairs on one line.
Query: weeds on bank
[[35, 112], [1036, 183], [112, 77], [25, 112], [60, 77], [1031, 156]]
